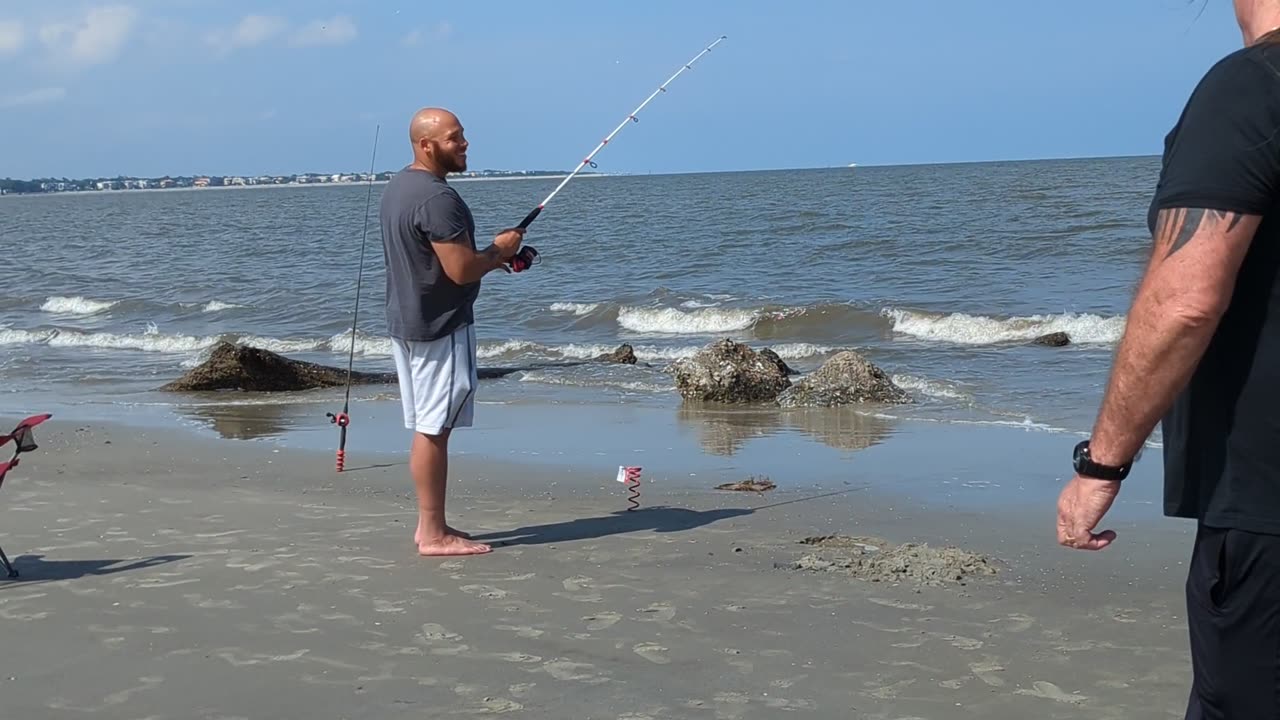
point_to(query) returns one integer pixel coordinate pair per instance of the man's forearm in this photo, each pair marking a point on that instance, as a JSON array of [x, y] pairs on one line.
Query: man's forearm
[[482, 263], [1160, 350]]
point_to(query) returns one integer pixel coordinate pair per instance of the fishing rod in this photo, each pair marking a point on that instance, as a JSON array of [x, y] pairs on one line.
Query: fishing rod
[[343, 419], [528, 256]]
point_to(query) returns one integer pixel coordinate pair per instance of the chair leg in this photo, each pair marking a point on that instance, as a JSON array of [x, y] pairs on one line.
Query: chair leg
[[13, 573]]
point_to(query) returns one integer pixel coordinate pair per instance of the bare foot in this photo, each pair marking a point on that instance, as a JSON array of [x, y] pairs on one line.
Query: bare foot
[[417, 534], [452, 545]]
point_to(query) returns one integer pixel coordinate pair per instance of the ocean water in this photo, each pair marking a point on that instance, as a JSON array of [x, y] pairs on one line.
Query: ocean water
[[938, 274]]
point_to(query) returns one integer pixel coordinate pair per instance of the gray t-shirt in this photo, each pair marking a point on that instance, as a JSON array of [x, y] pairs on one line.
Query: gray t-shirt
[[418, 209]]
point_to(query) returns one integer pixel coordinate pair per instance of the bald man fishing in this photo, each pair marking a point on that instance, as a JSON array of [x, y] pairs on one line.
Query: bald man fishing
[[433, 279]]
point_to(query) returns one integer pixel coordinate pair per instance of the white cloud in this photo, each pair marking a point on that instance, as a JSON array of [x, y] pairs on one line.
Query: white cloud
[[252, 30], [94, 39], [337, 30], [413, 39], [12, 36], [43, 96]]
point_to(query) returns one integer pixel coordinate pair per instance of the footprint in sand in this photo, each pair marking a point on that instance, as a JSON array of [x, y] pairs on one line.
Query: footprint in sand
[[889, 692], [433, 632], [651, 652], [580, 589], [960, 641], [521, 689], [985, 671], [1019, 622], [1049, 691], [577, 583], [661, 612], [499, 706], [603, 620], [445, 641], [488, 592], [1126, 615], [569, 670], [387, 606], [514, 657]]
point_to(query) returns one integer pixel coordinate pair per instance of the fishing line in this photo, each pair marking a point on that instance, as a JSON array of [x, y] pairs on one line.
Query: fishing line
[[343, 419], [529, 256]]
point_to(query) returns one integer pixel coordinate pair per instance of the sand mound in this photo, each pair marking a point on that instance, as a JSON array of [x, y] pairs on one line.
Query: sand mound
[[875, 560]]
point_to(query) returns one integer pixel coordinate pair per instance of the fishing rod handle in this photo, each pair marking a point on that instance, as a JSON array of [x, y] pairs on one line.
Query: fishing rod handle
[[529, 218]]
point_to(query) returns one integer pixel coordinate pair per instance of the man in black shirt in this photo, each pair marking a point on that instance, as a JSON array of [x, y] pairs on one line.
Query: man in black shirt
[[1201, 354]]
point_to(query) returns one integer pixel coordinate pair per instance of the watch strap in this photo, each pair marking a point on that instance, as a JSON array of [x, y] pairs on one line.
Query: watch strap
[[1088, 467]]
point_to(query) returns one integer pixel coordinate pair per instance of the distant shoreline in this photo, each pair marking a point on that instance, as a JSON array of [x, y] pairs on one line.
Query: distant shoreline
[[279, 186]]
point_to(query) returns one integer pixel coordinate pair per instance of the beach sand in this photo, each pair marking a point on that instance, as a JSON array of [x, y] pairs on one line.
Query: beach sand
[[165, 575]]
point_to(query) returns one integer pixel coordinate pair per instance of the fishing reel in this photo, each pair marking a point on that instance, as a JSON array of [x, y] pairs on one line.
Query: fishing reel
[[341, 419], [525, 259]]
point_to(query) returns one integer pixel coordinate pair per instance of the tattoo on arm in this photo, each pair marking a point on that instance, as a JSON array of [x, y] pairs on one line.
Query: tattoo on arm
[[1176, 226]]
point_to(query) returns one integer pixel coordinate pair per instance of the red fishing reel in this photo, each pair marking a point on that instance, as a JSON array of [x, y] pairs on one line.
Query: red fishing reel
[[342, 420], [525, 259]]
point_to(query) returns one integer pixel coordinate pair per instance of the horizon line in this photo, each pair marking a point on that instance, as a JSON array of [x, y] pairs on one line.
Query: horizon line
[[549, 173]]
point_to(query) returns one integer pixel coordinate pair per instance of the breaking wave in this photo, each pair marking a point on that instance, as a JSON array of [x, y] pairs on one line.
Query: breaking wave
[[966, 329]]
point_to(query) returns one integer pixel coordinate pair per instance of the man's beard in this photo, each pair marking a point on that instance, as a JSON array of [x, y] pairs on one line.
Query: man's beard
[[453, 163]]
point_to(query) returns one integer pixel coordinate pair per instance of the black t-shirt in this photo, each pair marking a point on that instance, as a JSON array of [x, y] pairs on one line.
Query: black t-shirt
[[418, 209], [1222, 435]]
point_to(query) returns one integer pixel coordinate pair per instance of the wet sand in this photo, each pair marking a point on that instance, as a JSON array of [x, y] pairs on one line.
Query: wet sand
[[165, 575]]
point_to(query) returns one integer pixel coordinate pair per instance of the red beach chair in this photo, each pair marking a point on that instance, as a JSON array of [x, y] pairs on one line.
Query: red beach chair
[[24, 441]]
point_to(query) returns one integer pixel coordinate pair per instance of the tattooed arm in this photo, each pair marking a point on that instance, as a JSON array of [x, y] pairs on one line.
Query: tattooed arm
[[1183, 294], [1220, 172]]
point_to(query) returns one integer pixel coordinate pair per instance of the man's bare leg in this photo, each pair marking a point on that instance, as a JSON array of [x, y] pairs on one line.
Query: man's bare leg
[[429, 465]]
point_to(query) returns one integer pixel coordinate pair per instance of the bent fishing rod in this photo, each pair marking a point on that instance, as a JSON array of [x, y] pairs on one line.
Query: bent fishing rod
[[528, 256], [343, 418]]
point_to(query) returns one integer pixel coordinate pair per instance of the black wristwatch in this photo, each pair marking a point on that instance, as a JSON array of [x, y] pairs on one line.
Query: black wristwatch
[[1085, 466]]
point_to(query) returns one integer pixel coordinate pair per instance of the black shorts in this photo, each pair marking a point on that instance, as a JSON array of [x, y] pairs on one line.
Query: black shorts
[[1233, 615]]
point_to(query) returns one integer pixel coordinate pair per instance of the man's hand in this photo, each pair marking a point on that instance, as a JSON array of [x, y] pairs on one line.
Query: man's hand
[[1081, 506], [508, 242], [464, 265]]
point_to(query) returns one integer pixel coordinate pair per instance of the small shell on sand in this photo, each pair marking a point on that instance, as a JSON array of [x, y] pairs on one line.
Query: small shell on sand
[[751, 484]]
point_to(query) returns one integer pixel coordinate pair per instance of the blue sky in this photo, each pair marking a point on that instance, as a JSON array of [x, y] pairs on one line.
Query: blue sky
[[236, 87]]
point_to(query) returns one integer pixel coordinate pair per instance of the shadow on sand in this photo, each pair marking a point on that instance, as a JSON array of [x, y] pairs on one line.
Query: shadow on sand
[[660, 519], [657, 519], [35, 569]]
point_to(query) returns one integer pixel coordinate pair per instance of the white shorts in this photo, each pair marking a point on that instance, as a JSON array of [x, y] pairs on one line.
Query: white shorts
[[437, 380]]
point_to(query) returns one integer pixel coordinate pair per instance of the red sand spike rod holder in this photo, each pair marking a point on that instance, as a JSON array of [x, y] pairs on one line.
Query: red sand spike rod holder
[[522, 263], [630, 476], [343, 419]]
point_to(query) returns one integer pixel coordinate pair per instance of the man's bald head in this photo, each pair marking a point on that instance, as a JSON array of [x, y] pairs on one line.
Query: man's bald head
[[438, 141], [428, 123]]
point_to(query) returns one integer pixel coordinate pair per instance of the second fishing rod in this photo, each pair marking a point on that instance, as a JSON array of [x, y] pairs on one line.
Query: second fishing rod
[[528, 256]]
